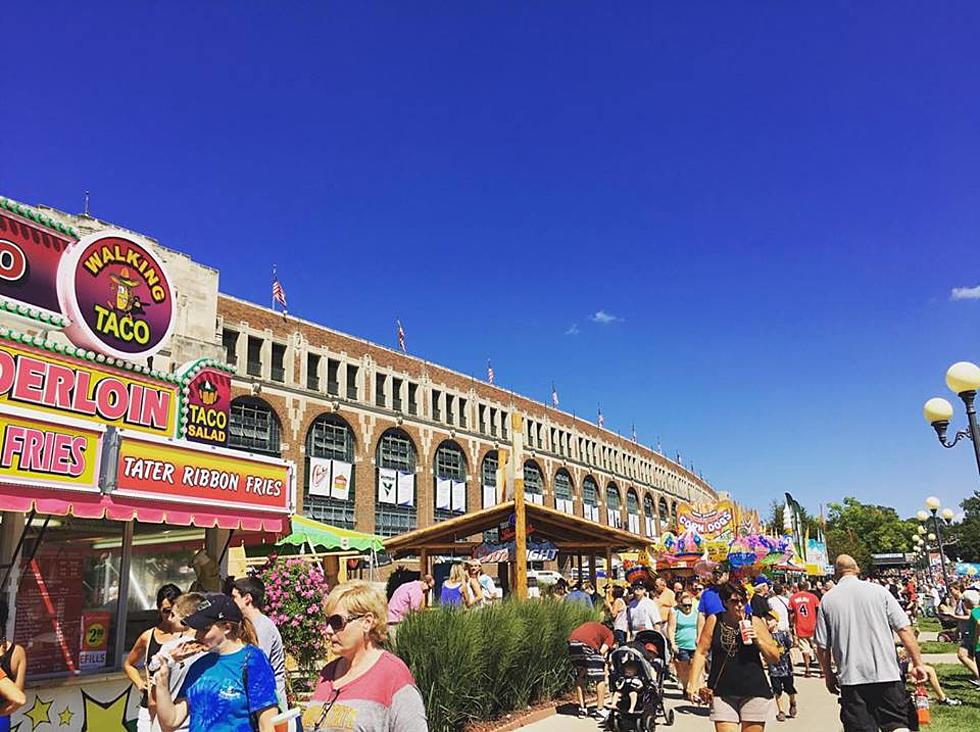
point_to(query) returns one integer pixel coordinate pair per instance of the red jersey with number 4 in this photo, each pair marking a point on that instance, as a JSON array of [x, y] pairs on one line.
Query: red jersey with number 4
[[804, 606]]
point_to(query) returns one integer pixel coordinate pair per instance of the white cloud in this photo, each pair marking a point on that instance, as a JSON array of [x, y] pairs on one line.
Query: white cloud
[[965, 293], [573, 329], [604, 318]]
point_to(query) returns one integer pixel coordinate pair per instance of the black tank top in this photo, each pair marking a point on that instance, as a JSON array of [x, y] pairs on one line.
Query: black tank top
[[6, 658], [736, 669], [152, 648]]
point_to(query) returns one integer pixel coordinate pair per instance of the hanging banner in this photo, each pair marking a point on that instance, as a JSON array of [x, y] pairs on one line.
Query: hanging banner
[[206, 403], [340, 475], [489, 495], [711, 521], [406, 489], [387, 486], [634, 523], [443, 493], [29, 258], [57, 384], [319, 477], [166, 470], [117, 294], [41, 452], [458, 489]]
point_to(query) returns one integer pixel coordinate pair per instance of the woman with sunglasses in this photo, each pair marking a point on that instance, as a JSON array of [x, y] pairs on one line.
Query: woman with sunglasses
[[738, 690], [682, 631], [366, 688], [232, 687]]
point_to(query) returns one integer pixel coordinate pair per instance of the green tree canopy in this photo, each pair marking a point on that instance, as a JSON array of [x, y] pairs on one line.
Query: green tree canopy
[[965, 535], [861, 530]]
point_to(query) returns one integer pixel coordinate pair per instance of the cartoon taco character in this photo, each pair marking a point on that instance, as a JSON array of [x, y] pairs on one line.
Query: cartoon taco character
[[208, 393], [125, 300]]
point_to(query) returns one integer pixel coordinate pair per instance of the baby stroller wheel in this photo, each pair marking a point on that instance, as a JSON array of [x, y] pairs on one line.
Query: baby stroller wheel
[[670, 717], [647, 721]]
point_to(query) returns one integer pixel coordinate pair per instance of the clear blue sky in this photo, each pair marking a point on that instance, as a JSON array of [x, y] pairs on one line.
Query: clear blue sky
[[773, 202]]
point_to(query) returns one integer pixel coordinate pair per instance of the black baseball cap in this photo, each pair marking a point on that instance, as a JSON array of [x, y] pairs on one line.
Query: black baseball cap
[[214, 608]]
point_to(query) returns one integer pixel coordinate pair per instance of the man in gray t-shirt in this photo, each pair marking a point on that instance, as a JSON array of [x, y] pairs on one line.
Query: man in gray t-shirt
[[856, 623], [249, 594]]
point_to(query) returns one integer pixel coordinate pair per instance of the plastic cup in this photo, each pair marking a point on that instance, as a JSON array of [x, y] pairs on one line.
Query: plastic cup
[[284, 720], [745, 627]]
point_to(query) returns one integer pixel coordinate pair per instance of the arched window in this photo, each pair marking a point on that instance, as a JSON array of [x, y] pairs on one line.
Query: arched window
[[450, 481], [664, 513], [488, 473], [632, 511], [253, 426], [533, 482], [395, 511], [613, 506], [563, 491], [673, 514], [328, 494], [590, 498], [648, 516]]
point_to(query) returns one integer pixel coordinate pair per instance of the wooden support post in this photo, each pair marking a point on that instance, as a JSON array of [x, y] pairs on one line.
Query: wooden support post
[[593, 575], [609, 567], [423, 562], [516, 470]]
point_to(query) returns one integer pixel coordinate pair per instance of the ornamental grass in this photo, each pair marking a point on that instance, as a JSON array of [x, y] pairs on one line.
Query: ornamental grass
[[476, 665]]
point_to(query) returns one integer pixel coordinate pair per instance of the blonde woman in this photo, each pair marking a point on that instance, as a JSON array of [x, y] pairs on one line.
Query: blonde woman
[[365, 689], [456, 590], [232, 688]]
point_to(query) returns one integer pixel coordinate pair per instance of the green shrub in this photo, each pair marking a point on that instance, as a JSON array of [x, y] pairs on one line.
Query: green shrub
[[479, 664]]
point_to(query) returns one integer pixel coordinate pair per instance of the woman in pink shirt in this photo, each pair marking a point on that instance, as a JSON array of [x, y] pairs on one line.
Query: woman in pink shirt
[[408, 597], [365, 689]]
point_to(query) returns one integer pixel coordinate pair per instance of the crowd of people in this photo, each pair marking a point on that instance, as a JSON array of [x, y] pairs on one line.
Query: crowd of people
[[731, 643]]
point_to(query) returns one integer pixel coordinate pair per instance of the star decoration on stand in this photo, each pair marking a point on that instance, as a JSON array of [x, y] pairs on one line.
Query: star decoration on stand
[[38, 713], [64, 717], [107, 716]]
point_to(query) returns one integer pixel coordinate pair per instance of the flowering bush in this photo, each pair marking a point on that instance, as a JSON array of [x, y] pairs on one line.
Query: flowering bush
[[295, 590]]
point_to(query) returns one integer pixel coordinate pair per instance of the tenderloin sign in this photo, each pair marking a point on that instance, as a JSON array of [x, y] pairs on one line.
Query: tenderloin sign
[[117, 295]]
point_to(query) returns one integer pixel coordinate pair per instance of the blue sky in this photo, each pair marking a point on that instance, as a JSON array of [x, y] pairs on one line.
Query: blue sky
[[773, 203]]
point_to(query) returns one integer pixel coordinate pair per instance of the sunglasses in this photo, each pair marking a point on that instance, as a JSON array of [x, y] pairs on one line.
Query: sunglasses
[[337, 623]]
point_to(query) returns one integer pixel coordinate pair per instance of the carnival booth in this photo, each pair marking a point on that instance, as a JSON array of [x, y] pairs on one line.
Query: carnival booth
[[113, 476]]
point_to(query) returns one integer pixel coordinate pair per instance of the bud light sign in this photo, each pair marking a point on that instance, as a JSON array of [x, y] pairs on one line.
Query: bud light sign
[[117, 295]]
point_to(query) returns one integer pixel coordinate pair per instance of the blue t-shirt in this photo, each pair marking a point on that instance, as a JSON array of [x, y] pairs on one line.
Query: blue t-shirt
[[215, 690], [710, 603], [578, 596]]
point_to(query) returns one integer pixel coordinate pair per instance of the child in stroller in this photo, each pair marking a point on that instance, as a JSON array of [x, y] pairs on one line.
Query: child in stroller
[[637, 677]]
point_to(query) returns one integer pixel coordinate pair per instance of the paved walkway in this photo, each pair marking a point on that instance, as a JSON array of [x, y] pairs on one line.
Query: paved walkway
[[818, 712]]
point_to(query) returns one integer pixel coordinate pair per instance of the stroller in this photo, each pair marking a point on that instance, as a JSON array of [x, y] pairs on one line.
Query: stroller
[[951, 628], [650, 652]]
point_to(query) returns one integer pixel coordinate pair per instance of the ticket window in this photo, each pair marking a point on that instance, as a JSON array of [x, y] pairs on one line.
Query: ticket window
[[67, 595]]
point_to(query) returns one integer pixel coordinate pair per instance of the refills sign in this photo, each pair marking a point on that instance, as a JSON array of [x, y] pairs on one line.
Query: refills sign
[[117, 295]]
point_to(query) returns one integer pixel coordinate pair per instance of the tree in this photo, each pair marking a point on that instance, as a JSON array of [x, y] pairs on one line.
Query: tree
[[774, 523], [965, 536], [862, 529]]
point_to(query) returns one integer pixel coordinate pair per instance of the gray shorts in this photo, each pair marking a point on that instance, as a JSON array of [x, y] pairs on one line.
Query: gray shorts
[[743, 709]]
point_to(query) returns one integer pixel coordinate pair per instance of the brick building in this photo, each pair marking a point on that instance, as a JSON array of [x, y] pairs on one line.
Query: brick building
[[303, 391]]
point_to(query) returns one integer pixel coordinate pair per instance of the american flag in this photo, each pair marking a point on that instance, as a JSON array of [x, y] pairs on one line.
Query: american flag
[[601, 420], [634, 433], [278, 293], [401, 336], [489, 371], [554, 396]]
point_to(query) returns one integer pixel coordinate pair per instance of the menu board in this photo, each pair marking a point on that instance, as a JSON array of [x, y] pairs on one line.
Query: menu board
[[50, 601]]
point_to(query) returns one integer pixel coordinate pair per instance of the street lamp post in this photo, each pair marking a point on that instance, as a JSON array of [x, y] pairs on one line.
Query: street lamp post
[[933, 504], [963, 379]]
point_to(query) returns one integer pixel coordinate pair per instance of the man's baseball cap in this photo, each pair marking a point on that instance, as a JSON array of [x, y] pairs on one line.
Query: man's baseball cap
[[214, 608], [760, 580], [638, 585]]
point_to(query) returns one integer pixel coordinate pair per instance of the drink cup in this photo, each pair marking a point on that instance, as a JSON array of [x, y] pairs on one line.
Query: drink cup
[[284, 722], [745, 627]]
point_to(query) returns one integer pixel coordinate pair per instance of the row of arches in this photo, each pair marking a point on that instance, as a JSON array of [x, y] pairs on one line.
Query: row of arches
[[254, 426]]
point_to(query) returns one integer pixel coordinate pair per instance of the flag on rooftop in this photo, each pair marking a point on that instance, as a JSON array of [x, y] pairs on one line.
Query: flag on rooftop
[[401, 336], [489, 371], [278, 293], [634, 432], [601, 421], [554, 396]]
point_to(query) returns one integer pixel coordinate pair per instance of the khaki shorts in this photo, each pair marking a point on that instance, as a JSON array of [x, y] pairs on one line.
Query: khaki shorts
[[805, 645], [743, 709]]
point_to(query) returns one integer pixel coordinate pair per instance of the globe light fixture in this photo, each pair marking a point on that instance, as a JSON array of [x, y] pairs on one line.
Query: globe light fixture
[[922, 515], [921, 529], [934, 504], [932, 536], [963, 379], [948, 514]]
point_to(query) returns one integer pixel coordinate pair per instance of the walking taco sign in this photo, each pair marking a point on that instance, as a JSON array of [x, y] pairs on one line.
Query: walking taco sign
[[117, 295]]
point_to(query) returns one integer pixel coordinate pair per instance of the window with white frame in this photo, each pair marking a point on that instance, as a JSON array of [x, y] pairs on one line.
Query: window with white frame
[[328, 493], [395, 506], [613, 506], [632, 511], [253, 426], [563, 492], [533, 482], [450, 481], [590, 499]]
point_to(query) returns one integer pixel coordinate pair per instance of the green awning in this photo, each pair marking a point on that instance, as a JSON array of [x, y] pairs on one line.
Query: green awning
[[306, 531]]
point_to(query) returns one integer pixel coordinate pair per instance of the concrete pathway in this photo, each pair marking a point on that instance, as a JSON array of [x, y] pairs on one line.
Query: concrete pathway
[[818, 712]]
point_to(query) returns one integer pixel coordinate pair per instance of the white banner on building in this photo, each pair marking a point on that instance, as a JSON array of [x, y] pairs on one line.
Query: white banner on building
[[591, 512], [613, 516], [406, 489], [459, 496], [565, 504], [649, 522], [634, 523], [387, 486], [319, 477], [489, 496], [340, 480], [534, 498], [444, 488]]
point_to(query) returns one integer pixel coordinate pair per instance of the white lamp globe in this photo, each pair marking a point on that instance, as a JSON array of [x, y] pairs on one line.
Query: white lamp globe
[[932, 536], [963, 376], [937, 409], [933, 503], [948, 514], [920, 529], [921, 515]]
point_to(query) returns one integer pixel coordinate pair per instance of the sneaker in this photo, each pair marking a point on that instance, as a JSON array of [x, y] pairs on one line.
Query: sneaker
[[583, 712], [951, 702], [780, 717], [975, 682], [600, 715]]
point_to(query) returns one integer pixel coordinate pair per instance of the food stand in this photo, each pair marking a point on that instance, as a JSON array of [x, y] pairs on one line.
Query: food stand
[[114, 478]]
